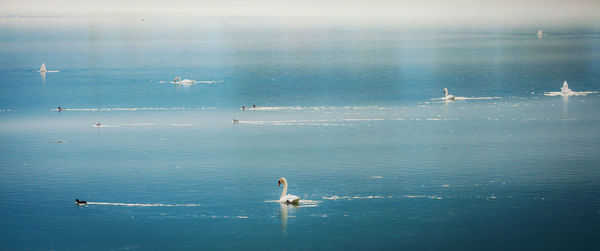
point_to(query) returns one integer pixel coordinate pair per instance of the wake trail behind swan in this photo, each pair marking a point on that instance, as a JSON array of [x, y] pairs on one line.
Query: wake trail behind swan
[[142, 204], [467, 98], [583, 93], [132, 109]]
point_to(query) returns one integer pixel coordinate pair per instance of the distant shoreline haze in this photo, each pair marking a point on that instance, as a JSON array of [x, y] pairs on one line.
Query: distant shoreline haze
[[511, 11]]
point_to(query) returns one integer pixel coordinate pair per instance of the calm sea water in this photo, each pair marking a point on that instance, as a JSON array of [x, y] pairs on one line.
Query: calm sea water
[[347, 113]]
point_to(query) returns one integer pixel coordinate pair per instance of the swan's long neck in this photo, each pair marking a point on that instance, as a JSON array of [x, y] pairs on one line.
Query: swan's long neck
[[284, 188], [445, 91]]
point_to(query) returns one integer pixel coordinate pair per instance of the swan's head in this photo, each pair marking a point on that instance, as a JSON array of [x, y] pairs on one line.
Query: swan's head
[[281, 180]]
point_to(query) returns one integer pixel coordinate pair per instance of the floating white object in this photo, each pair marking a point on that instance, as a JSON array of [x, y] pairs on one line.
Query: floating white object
[[287, 198], [565, 88], [44, 70], [178, 81], [446, 96], [540, 34], [565, 91], [186, 81]]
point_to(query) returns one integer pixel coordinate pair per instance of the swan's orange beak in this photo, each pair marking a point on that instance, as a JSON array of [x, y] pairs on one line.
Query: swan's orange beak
[[278, 183]]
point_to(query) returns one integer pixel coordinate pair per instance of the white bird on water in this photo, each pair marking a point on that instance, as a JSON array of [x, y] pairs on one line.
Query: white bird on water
[[446, 96], [565, 88], [186, 81], [44, 70], [565, 91], [286, 198]]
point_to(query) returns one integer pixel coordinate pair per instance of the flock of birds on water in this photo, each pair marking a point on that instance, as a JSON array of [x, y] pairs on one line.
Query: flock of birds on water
[[284, 198], [293, 199], [290, 199]]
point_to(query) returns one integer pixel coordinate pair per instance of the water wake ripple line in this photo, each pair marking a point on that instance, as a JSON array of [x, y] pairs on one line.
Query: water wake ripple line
[[143, 205]]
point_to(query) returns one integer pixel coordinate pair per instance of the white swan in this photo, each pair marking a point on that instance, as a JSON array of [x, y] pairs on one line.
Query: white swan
[[565, 92], [186, 81], [565, 88], [446, 96], [286, 198], [43, 68], [540, 34]]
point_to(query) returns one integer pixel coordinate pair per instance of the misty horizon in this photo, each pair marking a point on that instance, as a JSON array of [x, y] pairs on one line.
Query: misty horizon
[[506, 11]]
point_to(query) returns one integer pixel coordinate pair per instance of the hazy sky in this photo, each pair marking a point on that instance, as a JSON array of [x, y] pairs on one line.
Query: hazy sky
[[420, 9]]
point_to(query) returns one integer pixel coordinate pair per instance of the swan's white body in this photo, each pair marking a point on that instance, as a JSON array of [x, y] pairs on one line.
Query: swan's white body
[[540, 34], [43, 68], [186, 81], [565, 88], [287, 198], [446, 96], [565, 92]]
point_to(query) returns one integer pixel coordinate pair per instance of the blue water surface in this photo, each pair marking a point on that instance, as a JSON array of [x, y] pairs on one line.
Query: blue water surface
[[347, 111]]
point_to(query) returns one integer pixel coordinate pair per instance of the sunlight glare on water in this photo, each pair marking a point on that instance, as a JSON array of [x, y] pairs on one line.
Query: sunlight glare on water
[[350, 114]]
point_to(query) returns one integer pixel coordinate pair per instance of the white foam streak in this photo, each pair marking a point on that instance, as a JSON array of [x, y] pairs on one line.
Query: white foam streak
[[476, 98], [466, 98], [335, 197], [329, 122], [106, 126], [136, 124], [191, 82], [291, 122], [131, 109], [314, 108], [181, 124], [433, 197], [569, 93], [119, 125], [309, 203], [377, 119], [142, 205]]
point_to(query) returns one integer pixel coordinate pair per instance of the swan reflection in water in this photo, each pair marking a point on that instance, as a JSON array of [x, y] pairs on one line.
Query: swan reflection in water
[[287, 202], [43, 74], [565, 101], [283, 215]]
